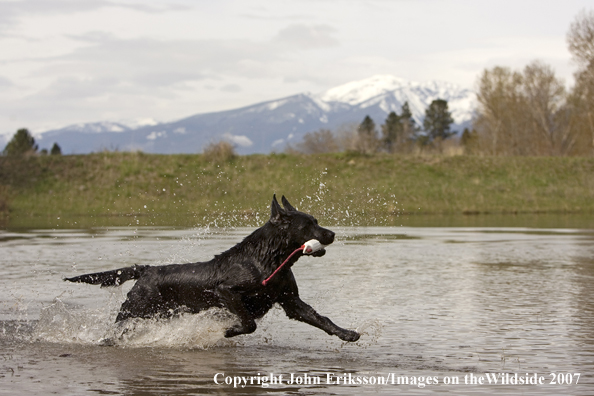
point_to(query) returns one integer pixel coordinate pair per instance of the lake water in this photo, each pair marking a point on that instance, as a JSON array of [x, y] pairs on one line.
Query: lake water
[[440, 309]]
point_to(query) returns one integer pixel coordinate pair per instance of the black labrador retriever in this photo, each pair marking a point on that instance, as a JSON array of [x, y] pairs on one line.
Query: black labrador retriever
[[234, 279]]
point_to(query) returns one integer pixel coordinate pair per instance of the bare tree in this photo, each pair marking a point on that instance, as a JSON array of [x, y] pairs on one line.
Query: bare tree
[[523, 113], [500, 105], [346, 136], [317, 142], [222, 151], [545, 98], [580, 41]]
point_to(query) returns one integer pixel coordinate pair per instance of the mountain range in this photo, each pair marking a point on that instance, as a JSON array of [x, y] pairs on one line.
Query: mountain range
[[269, 126]]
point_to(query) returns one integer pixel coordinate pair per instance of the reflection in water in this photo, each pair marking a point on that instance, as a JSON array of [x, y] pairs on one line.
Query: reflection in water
[[430, 302]]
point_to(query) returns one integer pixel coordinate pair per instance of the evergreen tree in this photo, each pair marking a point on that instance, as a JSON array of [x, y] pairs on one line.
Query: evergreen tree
[[56, 150], [406, 113], [21, 143], [398, 131], [468, 140], [409, 126], [438, 120], [367, 127], [368, 142], [391, 130]]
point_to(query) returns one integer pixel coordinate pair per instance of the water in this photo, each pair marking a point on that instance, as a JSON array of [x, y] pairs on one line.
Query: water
[[433, 304]]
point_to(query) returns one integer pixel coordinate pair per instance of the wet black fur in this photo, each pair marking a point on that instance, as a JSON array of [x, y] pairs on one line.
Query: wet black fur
[[232, 279]]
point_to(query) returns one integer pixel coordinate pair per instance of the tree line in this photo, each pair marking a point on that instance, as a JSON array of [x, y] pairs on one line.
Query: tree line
[[399, 133], [530, 112], [519, 112], [23, 143]]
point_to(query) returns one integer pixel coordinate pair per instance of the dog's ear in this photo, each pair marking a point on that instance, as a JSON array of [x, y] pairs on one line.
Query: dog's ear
[[276, 212], [287, 205]]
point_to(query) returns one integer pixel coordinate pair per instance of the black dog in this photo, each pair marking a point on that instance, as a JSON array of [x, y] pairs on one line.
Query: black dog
[[231, 280]]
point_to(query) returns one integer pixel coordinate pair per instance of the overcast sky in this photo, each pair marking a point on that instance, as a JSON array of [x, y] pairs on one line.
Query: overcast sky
[[70, 61]]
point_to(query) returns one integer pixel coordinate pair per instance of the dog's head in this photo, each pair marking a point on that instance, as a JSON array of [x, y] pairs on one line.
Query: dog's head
[[300, 227]]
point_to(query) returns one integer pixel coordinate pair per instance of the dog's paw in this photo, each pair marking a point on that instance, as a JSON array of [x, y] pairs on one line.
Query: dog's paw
[[232, 332], [246, 328], [349, 336]]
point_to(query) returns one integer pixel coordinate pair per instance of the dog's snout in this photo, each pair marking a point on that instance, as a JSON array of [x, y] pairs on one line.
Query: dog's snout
[[327, 237]]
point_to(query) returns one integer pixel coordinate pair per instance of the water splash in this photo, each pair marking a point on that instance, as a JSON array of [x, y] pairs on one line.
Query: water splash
[[60, 324]]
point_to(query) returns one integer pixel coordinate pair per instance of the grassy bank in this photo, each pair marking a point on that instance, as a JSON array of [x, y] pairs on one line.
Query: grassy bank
[[334, 186]]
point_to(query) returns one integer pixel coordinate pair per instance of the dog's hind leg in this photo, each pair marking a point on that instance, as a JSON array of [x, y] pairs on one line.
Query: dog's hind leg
[[142, 301], [233, 302], [296, 309]]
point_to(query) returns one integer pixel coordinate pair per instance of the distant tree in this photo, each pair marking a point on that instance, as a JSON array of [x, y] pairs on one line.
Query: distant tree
[[580, 40], [545, 98], [469, 140], [317, 142], [21, 143], [56, 150], [422, 141], [524, 113], [391, 130], [367, 142], [399, 131], [409, 129], [405, 112], [500, 111], [438, 120], [581, 113], [219, 152], [346, 136]]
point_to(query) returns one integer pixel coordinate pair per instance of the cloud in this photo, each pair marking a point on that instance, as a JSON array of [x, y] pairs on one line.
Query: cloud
[[5, 83], [195, 58], [44, 7], [12, 11], [303, 36], [231, 88], [104, 63]]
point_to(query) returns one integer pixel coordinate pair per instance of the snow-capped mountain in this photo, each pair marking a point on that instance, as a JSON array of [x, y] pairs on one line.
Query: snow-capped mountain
[[269, 126], [390, 93]]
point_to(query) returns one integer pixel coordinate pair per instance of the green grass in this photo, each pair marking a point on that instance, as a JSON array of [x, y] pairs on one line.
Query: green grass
[[333, 186]]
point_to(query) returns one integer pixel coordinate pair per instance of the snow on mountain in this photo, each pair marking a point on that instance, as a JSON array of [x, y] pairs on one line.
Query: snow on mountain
[[357, 92], [97, 127], [271, 125], [391, 92], [138, 122]]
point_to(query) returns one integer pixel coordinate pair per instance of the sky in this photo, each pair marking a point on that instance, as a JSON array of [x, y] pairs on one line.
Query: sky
[[73, 61]]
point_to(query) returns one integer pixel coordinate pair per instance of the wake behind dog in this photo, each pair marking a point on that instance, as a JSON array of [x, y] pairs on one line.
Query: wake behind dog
[[247, 280]]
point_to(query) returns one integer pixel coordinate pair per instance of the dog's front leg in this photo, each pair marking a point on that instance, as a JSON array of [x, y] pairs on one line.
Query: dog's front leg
[[299, 310], [232, 301]]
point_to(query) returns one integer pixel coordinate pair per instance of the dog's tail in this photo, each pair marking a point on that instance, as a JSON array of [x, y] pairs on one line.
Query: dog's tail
[[111, 278]]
